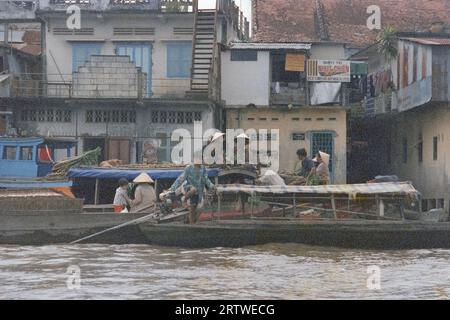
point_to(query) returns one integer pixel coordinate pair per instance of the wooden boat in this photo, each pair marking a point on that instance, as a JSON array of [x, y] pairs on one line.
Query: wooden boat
[[58, 228], [297, 221], [24, 162], [43, 216], [384, 235]]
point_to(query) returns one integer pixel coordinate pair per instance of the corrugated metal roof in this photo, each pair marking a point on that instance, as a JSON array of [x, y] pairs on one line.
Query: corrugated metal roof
[[270, 45], [430, 41]]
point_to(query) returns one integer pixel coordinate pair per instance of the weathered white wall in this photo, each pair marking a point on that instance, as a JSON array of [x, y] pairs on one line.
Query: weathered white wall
[[301, 120], [141, 130], [431, 177], [246, 82], [325, 51], [59, 49]]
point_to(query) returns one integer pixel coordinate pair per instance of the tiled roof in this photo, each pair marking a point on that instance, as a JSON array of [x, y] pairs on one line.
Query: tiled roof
[[31, 43], [284, 21], [344, 20]]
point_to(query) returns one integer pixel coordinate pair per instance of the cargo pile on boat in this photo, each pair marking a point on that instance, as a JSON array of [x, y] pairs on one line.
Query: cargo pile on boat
[[60, 169]]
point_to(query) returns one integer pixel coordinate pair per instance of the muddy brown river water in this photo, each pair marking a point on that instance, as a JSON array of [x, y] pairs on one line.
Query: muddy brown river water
[[287, 271]]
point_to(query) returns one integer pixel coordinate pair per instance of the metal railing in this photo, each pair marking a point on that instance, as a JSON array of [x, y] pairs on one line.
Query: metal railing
[[292, 93], [156, 5], [236, 16], [69, 86]]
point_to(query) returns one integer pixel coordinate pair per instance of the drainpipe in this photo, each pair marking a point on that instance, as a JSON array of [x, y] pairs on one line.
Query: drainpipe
[[43, 50]]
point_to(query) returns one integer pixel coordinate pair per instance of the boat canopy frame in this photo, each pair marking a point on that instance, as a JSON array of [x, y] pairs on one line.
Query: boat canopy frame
[[380, 192]]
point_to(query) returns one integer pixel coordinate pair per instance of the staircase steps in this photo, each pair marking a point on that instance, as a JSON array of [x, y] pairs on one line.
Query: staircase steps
[[203, 51]]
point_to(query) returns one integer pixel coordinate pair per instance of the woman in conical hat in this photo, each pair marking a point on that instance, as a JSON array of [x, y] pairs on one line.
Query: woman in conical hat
[[321, 174], [322, 157], [217, 136], [143, 178], [145, 195]]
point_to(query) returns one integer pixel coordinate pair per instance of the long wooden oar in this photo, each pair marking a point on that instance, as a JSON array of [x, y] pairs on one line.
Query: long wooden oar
[[135, 221]]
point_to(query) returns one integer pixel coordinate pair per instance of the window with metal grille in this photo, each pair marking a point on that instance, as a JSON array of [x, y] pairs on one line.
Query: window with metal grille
[[197, 116], [172, 116], [155, 116], [58, 115], [89, 116], [98, 116], [106, 116], [180, 117], [50, 115], [123, 116], [41, 115], [163, 117], [189, 117], [67, 116], [115, 116]]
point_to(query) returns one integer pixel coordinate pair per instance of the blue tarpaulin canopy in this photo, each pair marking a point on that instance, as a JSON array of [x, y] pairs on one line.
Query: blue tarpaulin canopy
[[129, 174]]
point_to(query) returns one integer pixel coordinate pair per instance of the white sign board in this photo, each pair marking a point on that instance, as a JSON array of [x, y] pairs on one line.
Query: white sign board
[[328, 71]]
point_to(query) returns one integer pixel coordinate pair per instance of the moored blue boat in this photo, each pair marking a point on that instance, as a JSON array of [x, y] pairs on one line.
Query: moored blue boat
[[25, 161]]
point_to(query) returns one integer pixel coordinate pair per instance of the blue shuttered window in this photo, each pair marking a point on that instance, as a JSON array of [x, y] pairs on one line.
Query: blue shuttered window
[[82, 51], [179, 59]]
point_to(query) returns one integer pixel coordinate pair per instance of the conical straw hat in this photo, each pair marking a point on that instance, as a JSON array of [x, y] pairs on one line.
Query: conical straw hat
[[217, 135], [143, 178], [325, 158], [243, 136]]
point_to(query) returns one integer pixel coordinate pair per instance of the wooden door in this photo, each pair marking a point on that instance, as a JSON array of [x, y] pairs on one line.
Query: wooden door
[[119, 149]]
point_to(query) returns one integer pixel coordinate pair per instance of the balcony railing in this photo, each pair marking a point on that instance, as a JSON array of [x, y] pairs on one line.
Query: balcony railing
[[289, 93], [69, 86], [169, 6], [236, 16]]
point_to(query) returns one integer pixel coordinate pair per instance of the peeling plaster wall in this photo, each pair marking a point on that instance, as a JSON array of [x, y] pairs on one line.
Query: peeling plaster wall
[[59, 47], [302, 120], [430, 177], [141, 130]]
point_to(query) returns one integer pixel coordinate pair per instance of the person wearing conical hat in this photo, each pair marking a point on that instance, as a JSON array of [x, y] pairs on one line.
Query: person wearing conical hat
[[145, 195], [320, 175], [217, 136]]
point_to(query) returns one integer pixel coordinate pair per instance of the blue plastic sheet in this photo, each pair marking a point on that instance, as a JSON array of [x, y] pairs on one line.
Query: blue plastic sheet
[[116, 174]]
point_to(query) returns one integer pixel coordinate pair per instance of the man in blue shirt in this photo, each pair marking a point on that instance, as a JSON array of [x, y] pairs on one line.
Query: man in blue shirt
[[194, 179]]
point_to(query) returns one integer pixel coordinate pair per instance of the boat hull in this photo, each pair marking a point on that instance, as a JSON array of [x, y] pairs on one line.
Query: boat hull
[[57, 228], [381, 235]]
